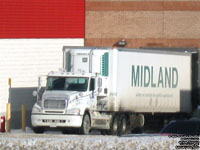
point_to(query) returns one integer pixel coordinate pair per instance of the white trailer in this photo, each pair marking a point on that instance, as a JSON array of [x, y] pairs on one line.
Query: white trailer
[[117, 90]]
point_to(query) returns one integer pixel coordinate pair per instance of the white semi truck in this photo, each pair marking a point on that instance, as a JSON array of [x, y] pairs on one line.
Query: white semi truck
[[117, 90]]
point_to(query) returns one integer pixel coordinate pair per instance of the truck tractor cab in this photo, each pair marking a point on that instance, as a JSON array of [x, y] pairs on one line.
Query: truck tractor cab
[[66, 101]]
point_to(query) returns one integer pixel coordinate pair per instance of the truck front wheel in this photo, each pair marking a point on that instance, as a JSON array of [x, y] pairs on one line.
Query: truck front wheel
[[86, 125]]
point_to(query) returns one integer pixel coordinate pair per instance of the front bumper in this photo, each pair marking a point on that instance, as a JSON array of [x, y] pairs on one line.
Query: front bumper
[[39, 120]]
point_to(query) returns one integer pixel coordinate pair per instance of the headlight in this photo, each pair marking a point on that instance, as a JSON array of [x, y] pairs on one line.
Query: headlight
[[74, 111]]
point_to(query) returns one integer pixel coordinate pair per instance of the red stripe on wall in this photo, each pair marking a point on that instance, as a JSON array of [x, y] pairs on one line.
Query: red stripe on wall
[[42, 18]]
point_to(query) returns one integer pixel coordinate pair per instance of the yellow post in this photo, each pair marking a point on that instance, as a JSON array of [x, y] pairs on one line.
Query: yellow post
[[9, 81], [8, 117], [23, 117]]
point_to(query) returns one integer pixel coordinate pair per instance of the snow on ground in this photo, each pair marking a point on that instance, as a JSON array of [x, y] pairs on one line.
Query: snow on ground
[[91, 142], [18, 140]]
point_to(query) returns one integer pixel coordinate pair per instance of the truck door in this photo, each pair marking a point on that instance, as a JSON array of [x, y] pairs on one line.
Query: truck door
[[93, 93]]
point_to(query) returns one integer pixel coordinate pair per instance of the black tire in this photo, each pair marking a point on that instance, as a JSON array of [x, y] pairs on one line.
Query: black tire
[[86, 125], [124, 124], [114, 126], [38, 129]]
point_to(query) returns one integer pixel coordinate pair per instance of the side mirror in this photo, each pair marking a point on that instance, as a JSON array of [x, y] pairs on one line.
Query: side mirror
[[39, 83], [35, 93]]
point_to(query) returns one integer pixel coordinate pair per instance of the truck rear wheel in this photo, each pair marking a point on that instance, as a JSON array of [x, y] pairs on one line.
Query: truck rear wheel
[[86, 125], [114, 126], [123, 124]]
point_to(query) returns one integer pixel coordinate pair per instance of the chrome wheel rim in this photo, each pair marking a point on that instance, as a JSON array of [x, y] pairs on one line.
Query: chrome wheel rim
[[123, 125], [115, 124]]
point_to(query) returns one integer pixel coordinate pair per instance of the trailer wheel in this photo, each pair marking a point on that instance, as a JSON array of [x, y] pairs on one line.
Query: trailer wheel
[[114, 126], [86, 125], [38, 129]]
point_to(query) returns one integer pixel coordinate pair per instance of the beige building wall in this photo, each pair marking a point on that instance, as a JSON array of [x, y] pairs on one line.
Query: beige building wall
[[23, 60], [143, 23]]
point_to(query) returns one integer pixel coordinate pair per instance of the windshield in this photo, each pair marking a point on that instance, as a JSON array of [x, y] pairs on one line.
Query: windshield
[[67, 83]]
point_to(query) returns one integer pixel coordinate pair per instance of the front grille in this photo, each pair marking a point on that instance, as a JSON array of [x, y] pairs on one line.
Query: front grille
[[54, 112], [54, 104]]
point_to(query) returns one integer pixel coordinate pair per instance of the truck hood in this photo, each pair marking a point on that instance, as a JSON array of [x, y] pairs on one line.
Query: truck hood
[[59, 95]]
